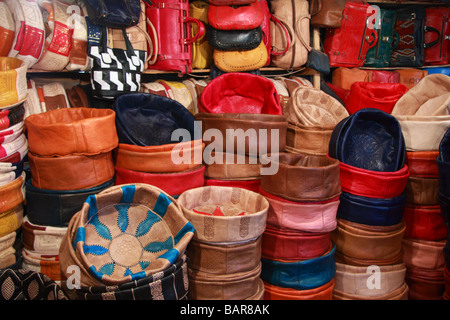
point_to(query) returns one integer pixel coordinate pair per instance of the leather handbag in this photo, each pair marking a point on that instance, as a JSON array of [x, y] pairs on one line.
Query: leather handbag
[[229, 40], [384, 76], [224, 214], [411, 76], [326, 13], [437, 22], [172, 43], [240, 17], [347, 45], [382, 96], [344, 77], [241, 60], [115, 71], [410, 28], [118, 14], [379, 56], [202, 51], [290, 35]]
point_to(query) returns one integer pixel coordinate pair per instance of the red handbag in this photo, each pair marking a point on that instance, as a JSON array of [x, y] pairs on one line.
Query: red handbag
[[437, 22], [168, 25], [347, 45], [243, 17]]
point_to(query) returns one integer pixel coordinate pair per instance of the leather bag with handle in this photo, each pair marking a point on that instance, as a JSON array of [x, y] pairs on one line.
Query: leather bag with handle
[[168, 24], [118, 14], [115, 71], [437, 26], [379, 56], [290, 33], [347, 45]]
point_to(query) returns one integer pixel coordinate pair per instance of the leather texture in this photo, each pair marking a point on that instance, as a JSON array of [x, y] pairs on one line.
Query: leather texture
[[382, 96], [240, 93], [315, 216], [422, 164], [425, 284], [56, 208], [12, 194], [72, 131], [40, 238], [326, 14], [7, 29], [424, 253], [347, 45], [202, 51], [381, 131], [422, 191], [425, 222], [378, 243], [288, 244], [238, 17], [303, 177], [398, 294], [251, 185], [79, 246], [422, 113], [268, 132], [159, 159], [224, 258], [241, 60], [411, 76], [14, 72], [11, 116], [242, 215], [11, 220], [302, 274], [324, 292], [371, 211], [229, 40], [115, 14], [232, 166], [137, 114]]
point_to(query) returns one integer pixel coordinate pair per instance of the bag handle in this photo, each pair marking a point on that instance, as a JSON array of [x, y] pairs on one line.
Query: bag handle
[[288, 32], [435, 42], [155, 46], [315, 7], [200, 31], [298, 30]]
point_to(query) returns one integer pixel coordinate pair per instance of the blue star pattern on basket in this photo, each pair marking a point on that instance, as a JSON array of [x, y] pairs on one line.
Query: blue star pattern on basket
[[123, 239]]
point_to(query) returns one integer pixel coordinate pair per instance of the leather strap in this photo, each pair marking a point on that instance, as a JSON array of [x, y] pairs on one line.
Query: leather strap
[[287, 244], [224, 258], [41, 239], [324, 292], [371, 211], [368, 242], [159, 159], [302, 177], [233, 286], [74, 171], [355, 280], [56, 208], [173, 183], [424, 253], [373, 184], [216, 229], [318, 216], [425, 223], [300, 275], [72, 131]]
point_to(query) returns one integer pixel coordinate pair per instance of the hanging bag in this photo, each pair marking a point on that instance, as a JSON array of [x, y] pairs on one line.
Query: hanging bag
[[437, 24], [120, 14], [115, 71]]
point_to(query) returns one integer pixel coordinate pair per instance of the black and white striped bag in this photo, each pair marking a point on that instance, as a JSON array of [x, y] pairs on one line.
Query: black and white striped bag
[[115, 71]]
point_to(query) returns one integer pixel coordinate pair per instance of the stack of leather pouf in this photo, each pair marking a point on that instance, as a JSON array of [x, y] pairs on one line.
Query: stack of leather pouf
[[235, 32], [312, 115], [159, 143], [371, 150], [70, 158], [423, 115], [297, 253], [13, 151], [129, 243], [444, 201], [225, 252], [241, 119]]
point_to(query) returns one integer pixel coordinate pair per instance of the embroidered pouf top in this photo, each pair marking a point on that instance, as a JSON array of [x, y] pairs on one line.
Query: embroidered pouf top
[[124, 233]]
